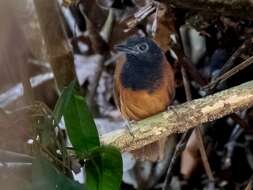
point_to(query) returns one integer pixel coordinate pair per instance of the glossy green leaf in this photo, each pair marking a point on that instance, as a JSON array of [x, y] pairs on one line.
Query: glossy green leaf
[[80, 125], [46, 177], [62, 101], [104, 169]]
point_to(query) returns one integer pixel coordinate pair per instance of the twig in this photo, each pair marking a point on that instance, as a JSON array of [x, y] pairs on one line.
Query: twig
[[44, 149], [179, 149], [141, 15], [229, 73], [187, 88], [243, 124], [230, 146], [193, 72], [187, 116], [59, 139], [197, 130], [230, 62], [204, 155]]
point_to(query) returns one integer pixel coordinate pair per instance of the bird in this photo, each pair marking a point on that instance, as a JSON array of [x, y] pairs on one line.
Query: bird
[[144, 85]]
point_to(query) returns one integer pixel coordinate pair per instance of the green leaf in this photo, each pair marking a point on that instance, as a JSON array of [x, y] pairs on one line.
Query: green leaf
[[62, 101], [104, 169], [79, 122], [80, 125], [46, 177]]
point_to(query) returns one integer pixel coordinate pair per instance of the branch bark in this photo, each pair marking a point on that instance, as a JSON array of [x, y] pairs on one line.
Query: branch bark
[[182, 117], [235, 8]]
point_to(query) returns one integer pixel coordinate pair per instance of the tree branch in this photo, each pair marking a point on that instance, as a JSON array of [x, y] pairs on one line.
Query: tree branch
[[235, 8], [182, 117]]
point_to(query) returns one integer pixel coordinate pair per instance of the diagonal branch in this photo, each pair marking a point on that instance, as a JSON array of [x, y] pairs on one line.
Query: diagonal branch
[[229, 73], [182, 117]]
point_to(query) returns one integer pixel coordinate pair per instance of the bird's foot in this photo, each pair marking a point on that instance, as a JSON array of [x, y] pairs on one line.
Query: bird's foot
[[172, 108], [129, 126]]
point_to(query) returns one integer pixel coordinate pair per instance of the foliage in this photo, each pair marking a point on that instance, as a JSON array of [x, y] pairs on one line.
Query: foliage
[[103, 164], [104, 167]]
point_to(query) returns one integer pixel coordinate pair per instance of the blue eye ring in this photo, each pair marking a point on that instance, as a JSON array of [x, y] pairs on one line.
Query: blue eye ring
[[143, 47]]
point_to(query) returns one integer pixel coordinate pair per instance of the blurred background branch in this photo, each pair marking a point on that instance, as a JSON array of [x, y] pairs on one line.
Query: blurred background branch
[[58, 49]]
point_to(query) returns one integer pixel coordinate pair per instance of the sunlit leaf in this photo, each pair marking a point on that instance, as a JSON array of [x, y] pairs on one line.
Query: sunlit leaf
[[104, 169]]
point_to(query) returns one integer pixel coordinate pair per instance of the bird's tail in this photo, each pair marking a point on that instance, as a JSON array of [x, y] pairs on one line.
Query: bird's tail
[[151, 152]]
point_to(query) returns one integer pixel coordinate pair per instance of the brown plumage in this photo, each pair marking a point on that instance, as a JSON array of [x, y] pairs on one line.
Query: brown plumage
[[143, 86]]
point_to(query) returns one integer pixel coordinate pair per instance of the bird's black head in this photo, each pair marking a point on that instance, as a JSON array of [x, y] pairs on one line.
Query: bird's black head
[[140, 48], [143, 67]]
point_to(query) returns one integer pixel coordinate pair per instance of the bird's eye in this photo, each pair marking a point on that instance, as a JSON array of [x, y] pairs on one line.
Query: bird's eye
[[143, 47]]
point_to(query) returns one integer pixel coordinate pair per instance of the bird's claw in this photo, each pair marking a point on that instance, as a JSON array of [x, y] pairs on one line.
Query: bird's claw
[[171, 108], [128, 125]]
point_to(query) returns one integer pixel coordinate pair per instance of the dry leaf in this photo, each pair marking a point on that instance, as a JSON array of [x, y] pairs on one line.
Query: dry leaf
[[190, 157], [165, 27], [68, 3]]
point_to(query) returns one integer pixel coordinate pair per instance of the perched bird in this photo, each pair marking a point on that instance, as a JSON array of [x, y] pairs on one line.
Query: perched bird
[[144, 85]]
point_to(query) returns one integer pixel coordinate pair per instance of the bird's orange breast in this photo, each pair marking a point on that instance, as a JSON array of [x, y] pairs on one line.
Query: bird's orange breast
[[139, 104]]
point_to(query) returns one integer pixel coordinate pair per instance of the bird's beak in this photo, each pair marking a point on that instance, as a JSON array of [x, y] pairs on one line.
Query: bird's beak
[[124, 48]]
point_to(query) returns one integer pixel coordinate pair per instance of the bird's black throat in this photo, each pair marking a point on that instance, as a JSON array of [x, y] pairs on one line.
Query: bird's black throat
[[142, 73]]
